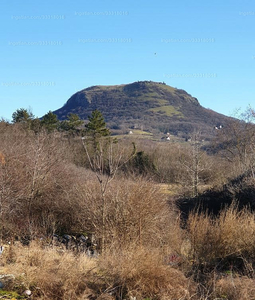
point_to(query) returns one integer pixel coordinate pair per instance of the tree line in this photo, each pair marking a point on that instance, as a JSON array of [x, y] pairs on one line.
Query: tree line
[[49, 121]]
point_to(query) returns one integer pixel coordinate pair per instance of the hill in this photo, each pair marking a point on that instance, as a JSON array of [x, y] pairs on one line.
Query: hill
[[145, 105]]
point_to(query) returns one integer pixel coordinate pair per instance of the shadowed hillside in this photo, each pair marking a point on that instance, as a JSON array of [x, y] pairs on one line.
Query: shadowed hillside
[[238, 191]]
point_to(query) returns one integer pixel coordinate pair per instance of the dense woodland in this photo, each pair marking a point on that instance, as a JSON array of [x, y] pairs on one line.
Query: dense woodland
[[152, 208]]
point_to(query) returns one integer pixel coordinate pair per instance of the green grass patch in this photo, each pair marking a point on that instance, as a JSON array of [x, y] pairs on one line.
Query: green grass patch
[[146, 96], [162, 102], [168, 110], [10, 295], [168, 88]]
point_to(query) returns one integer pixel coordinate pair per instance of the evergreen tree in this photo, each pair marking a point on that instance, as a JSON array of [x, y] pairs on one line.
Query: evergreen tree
[[50, 121], [95, 130], [72, 123], [22, 115], [97, 126]]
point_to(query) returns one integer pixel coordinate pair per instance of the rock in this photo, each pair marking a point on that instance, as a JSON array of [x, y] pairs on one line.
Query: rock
[[6, 280], [27, 293]]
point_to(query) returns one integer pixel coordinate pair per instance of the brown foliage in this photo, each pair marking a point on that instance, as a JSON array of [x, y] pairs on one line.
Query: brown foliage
[[228, 239], [117, 274], [36, 183], [235, 288], [50, 274], [141, 273], [134, 212]]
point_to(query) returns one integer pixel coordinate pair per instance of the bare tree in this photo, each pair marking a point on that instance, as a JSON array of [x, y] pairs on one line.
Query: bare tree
[[236, 142], [105, 158], [194, 163]]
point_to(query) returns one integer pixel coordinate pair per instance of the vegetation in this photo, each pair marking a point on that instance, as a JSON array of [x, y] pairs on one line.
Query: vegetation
[[49, 121], [144, 105], [169, 110], [72, 124], [22, 115], [195, 242]]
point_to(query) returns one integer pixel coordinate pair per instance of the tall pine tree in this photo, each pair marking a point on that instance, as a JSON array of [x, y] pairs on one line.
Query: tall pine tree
[[50, 121], [97, 126]]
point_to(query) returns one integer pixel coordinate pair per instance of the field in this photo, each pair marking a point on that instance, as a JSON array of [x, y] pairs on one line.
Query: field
[[114, 219]]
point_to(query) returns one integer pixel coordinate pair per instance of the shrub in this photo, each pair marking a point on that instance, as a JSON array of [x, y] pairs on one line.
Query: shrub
[[240, 287], [51, 274], [37, 184], [141, 273], [224, 241], [133, 211]]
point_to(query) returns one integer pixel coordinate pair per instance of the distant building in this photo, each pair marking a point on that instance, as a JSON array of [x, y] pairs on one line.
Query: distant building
[[167, 137], [218, 127]]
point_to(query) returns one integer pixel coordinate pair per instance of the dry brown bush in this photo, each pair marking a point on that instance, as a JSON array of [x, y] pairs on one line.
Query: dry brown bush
[[51, 274], [175, 164], [134, 212], [140, 272], [37, 194], [236, 288], [43, 193], [117, 274], [231, 236]]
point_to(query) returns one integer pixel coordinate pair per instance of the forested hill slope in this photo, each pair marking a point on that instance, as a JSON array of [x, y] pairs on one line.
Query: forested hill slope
[[147, 105]]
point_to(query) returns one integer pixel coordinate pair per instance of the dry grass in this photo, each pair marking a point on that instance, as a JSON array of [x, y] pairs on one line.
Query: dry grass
[[135, 212], [140, 270], [50, 274], [142, 273], [235, 288], [230, 237], [136, 272]]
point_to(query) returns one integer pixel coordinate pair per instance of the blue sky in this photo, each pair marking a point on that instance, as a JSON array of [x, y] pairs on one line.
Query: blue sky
[[52, 49]]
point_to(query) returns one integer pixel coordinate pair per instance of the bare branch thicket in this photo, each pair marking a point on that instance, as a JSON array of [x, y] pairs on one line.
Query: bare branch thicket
[[194, 166], [36, 183], [105, 158], [135, 213], [236, 142]]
